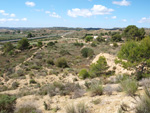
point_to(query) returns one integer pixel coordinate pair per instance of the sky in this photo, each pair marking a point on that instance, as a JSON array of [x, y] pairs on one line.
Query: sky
[[74, 13]]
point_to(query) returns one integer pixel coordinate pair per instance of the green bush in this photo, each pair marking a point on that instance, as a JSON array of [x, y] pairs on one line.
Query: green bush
[[28, 109], [61, 62], [51, 44], [8, 47], [115, 45], [100, 39], [32, 81], [78, 44], [39, 44], [23, 44], [7, 103], [136, 53], [83, 74], [50, 61], [132, 32], [78, 108], [64, 52], [93, 44], [96, 88], [88, 38], [116, 38], [129, 86], [99, 68], [143, 105], [87, 52]]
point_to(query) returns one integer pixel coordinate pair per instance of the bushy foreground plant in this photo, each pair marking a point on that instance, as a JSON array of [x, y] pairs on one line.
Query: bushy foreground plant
[[143, 105], [129, 86], [7, 103], [96, 88], [137, 53], [78, 108]]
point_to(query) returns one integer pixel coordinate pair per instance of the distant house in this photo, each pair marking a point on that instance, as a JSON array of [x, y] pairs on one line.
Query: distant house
[[95, 37]]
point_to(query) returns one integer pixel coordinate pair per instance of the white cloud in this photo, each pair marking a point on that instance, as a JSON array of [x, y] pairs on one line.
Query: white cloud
[[54, 15], [96, 10], [7, 14], [2, 20], [12, 15], [114, 17], [30, 4], [79, 12], [101, 10], [47, 12], [122, 3], [124, 20], [2, 11], [144, 20], [24, 19]]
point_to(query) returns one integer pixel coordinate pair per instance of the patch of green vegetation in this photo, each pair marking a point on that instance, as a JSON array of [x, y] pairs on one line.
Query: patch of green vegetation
[[7, 103], [87, 52]]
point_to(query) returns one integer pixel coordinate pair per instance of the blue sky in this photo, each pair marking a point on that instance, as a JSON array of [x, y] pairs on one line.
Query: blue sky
[[74, 13]]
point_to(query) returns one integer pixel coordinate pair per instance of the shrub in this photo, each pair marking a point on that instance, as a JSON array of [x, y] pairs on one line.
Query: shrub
[[15, 85], [96, 88], [50, 61], [51, 44], [61, 62], [129, 86], [78, 108], [144, 102], [32, 81], [83, 74], [98, 68], [116, 38], [115, 45], [64, 52], [100, 39], [137, 53], [87, 52], [8, 47], [28, 109], [93, 44], [7, 103], [39, 44], [23, 44], [88, 38], [78, 44]]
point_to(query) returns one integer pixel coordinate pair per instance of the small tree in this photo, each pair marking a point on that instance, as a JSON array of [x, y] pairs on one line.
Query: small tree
[[8, 47], [88, 38], [83, 74], [137, 54], [23, 44], [87, 52], [39, 44], [29, 35], [116, 38], [61, 62], [98, 68]]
